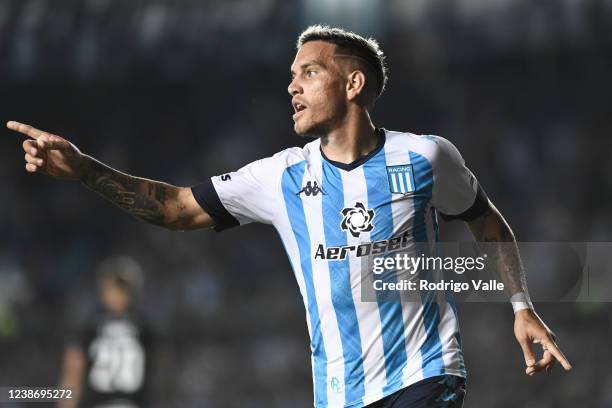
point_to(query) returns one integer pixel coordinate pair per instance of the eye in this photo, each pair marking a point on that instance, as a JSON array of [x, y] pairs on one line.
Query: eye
[[310, 73]]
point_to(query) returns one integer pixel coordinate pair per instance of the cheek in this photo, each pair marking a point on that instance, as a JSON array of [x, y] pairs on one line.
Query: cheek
[[325, 99]]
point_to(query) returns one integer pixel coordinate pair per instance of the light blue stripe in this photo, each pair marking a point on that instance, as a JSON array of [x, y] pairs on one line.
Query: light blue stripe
[[291, 183], [340, 282], [431, 351], [389, 302]]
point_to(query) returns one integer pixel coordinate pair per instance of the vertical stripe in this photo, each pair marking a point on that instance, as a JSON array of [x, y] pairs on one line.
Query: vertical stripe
[[313, 208], [401, 184], [394, 182], [431, 351], [342, 299], [291, 183], [408, 176], [368, 317], [389, 304], [402, 211]]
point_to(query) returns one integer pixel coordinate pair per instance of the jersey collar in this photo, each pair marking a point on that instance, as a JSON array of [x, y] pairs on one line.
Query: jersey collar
[[361, 160]]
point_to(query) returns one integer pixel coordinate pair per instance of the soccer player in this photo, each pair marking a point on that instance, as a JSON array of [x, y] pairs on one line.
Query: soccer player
[[107, 360], [354, 188]]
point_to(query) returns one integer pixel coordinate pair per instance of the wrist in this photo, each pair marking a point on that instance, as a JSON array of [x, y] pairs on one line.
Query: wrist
[[523, 313], [521, 302]]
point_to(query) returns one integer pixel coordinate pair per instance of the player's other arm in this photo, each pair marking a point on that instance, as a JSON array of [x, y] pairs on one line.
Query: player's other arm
[[491, 228], [152, 201], [457, 195]]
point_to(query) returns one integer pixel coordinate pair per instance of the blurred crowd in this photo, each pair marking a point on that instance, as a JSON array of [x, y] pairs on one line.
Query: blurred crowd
[[180, 91]]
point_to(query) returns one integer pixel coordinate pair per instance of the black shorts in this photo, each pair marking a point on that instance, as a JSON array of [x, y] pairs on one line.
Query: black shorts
[[444, 391]]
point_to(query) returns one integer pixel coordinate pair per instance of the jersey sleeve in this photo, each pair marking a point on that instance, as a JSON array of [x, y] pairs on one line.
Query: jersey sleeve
[[241, 197], [456, 192]]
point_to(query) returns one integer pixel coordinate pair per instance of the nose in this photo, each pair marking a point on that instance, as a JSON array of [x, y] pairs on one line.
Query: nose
[[294, 88]]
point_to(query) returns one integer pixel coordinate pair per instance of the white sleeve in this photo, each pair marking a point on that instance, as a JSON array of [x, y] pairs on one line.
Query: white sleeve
[[243, 196], [455, 187]]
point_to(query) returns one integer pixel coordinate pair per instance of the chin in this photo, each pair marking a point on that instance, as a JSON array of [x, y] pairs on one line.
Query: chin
[[308, 130], [298, 130], [301, 130]]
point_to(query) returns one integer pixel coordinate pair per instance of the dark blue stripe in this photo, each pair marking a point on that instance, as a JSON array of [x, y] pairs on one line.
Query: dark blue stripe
[[340, 281], [389, 302], [291, 183], [431, 351]]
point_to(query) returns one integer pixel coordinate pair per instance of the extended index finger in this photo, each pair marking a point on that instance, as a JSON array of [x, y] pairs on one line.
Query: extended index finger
[[25, 129], [557, 353]]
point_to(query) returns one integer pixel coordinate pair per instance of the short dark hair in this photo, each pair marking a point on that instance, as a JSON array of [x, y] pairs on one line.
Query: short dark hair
[[123, 271], [366, 49]]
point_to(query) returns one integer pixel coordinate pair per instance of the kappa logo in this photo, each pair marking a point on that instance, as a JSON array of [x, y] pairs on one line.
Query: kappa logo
[[357, 219], [311, 189]]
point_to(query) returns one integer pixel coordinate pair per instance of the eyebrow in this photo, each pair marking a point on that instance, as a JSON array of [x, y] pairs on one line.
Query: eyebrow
[[307, 64]]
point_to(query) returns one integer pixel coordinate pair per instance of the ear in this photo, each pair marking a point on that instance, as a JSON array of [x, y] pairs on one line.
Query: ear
[[355, 85]]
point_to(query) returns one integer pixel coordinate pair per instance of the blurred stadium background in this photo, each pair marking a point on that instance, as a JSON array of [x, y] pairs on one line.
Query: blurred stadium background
[[181, 90]]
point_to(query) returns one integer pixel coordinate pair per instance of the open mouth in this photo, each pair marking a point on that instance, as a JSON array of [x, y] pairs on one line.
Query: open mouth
[[298, 108]]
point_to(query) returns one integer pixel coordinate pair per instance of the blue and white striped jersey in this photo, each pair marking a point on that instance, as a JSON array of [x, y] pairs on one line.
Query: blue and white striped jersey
[[327, 215]]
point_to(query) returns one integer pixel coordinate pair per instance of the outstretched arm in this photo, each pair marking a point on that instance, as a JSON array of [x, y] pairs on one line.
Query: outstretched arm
[[491, 228], [152, 201]]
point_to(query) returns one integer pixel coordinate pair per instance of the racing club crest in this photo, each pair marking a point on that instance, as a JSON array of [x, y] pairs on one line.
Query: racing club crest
[[401, 179]]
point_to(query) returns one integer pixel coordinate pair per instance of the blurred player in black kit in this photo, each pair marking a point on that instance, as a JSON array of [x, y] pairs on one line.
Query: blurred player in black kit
[[106, 362]]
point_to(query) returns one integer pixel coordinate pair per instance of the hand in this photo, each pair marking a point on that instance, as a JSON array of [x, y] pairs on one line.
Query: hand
[[49, 154], [530, 329]]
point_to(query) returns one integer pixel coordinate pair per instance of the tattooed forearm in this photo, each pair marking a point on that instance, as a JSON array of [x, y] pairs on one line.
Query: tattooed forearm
[[144, 199], [498, 242], [508, 264]]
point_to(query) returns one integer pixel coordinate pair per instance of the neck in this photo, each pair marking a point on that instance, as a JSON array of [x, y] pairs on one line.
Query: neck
[[355, 138]]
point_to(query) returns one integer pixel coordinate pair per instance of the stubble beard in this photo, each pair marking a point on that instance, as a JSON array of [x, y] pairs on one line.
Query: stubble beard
[[312, 130], [316, 130]]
